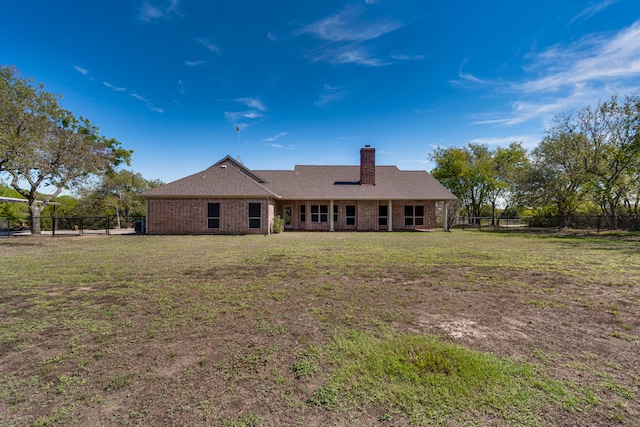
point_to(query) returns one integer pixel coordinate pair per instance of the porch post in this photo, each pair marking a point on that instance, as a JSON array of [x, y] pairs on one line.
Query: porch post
[[390, 214], [269, 217], [445, 216], [331, 215]]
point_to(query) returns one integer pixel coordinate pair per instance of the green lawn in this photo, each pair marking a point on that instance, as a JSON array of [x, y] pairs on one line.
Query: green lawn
[[461, 328]]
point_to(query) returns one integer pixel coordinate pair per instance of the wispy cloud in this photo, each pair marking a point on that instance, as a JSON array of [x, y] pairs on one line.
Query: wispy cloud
[[404, 57], [248, 116], [150, 11], [524, 111], [116, 88], [194, 63], [274, 137], [349, 54], [139, 97], [209, 46], [272, 37], [592, 9], [236, 116], [147, 103], [330, 94], [347, 26], [528, 141], [594, 60], [345, 32], [252, 103], [571, 76], [81, 70], [282, 147], [135, 95], [466, 78]]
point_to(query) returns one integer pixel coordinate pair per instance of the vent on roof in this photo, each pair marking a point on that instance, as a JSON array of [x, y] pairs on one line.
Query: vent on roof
[[223, 166]]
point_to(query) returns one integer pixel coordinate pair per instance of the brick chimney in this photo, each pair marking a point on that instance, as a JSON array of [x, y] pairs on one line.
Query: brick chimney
[[367, 165]]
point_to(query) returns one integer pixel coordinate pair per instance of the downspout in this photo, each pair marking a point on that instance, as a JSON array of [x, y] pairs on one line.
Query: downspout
[[146, 215], [331, 215], [390, 215]]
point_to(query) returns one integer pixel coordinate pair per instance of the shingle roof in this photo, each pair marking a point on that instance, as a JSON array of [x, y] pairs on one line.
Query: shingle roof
[[225, 178], [304, 182]]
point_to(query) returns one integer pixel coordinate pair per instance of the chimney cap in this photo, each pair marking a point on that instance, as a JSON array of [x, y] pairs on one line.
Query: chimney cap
[[367, 146]]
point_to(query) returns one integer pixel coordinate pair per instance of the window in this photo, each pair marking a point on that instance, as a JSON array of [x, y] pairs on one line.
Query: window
[[414, 215], [213, 215], [350, 215], [254, 215], [303, 213], [335, 214], [319, 213], [383, 215]]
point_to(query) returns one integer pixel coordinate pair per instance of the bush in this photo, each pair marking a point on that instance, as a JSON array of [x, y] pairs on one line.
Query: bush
[[278, 224]]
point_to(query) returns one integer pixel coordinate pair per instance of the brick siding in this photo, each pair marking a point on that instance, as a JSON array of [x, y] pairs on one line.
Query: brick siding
[[189, 216], [367, 212]]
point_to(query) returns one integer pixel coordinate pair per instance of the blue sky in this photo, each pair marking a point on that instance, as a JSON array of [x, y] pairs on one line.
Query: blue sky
[[310, 82]]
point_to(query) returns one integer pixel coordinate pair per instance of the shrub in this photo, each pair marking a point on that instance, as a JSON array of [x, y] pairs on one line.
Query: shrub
[[278, 224]]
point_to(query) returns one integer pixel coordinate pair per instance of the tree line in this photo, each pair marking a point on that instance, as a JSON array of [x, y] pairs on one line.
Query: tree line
[[114, 194], [587, 162]]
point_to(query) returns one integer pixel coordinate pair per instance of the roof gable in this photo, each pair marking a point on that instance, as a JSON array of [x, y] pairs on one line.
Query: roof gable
[[228, 160], [226, 177]]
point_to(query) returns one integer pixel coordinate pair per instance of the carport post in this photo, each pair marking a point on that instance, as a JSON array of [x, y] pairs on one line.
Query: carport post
[[54, 220]]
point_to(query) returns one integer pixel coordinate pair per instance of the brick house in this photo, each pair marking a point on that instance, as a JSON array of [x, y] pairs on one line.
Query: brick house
[[229, 198]]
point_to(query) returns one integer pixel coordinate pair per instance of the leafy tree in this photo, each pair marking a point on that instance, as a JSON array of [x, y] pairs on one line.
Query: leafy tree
[[611, 152], [118, 194], [65, 207], [121, 192], [509, 166], [12, 211], [632, 199], [467, 172], [557, 175], [479, 176], [43, 145]]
